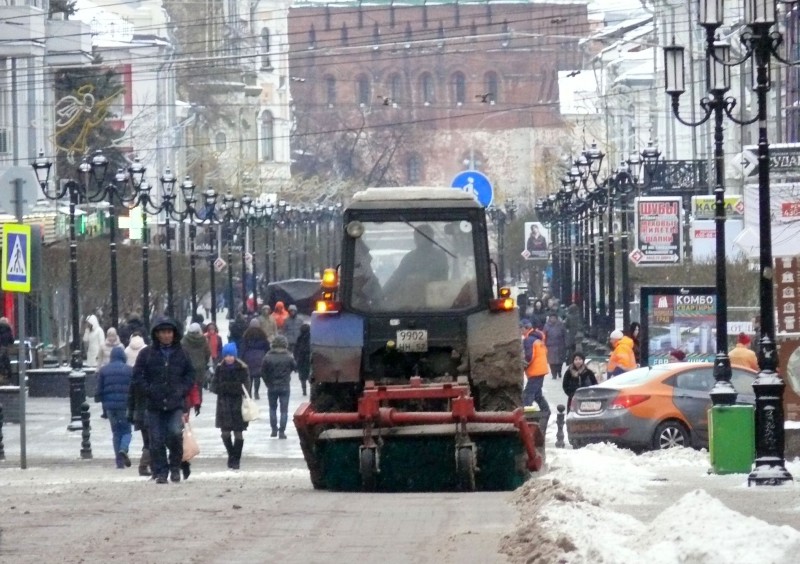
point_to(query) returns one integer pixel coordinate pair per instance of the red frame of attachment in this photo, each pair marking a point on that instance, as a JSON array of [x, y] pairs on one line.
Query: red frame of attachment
[[462, 410]]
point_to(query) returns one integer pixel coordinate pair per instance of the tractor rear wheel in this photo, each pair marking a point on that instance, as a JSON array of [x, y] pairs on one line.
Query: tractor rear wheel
[[465, 466], [367, 467]]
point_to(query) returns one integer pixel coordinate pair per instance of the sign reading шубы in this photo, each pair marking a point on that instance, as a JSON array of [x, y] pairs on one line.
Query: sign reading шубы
[[659, 237]]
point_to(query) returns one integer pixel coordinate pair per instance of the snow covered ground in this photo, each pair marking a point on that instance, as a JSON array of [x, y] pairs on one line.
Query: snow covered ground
[[602, 504]]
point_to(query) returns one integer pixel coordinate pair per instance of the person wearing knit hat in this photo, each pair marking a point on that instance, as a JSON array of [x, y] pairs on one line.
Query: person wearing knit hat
[[229, 377], [276, 371], [622, 358], [677, 355], [742, 355]]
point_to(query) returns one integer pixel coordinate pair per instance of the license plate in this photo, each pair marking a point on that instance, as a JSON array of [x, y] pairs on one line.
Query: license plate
[[588, 406], [412, 340]]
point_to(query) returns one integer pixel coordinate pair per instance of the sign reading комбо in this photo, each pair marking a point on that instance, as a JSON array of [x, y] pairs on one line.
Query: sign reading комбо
[[658, 232]]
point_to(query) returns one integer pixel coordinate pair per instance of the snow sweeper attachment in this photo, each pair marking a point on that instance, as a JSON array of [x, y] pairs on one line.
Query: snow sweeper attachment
[[379, 448]]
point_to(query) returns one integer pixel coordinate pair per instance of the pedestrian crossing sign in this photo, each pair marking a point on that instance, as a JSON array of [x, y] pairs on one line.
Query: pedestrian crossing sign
[[16, 272]]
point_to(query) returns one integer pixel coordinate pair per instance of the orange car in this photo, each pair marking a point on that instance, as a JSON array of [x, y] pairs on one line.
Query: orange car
[[653, 407]]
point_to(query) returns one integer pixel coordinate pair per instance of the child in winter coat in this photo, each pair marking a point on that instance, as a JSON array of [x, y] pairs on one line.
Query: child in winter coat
[[113, 385]]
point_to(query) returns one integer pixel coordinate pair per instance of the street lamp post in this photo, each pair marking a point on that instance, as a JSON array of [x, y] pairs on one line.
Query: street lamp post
[[136, 172], [245, 216], [230, 209], [760, 44], [77, 377]]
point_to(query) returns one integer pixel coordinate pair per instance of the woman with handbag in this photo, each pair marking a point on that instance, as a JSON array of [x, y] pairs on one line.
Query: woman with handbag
[[229, 377]]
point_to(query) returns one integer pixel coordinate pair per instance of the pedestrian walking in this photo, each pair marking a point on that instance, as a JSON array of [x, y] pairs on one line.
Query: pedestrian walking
[[268, 324], [276, 370], [135, 345], [229, 377], [573, 325], [214, 341], [165, 373], [555, 334], [291, 327], [236, 330], [6, 346], [539, 316], [93, 339], [302, 355], [196, 346], [536, 365], [112, 341], [113, 387], [254, 346], [742, 354], [577, 375], [621, 359], [279, 315]]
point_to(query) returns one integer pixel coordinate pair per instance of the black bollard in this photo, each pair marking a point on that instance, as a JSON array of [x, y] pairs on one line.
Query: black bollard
[[86, 445], [2, 446], [77, 396], [560, 426]]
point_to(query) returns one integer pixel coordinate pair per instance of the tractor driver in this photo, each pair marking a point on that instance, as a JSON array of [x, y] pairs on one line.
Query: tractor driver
[[366, 287], [427, 262]]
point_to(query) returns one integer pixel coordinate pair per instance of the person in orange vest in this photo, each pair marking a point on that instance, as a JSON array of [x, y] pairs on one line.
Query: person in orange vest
[[622, 358], [536, 368], [742, 355]]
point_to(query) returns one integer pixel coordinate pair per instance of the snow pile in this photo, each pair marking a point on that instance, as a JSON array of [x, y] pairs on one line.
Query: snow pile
[[576, 513]]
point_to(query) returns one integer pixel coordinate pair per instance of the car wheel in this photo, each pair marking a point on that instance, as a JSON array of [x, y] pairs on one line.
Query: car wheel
[[670, 434]]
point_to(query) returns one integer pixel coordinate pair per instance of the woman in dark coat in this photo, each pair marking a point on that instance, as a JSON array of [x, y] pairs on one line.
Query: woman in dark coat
[[302, 355], [538, 316], [229, 377], [633, 332], [577, 375], [255, 345]]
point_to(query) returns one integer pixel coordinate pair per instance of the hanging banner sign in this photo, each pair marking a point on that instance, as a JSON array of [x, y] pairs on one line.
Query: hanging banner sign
[[705, 207], [659, 233]]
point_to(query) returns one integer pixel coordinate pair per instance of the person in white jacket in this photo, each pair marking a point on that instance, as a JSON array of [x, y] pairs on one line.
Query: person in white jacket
[[112, 341], [93, 339], [132, 350]]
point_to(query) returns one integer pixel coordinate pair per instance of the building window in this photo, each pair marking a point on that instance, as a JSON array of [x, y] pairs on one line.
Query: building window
[[330, 90], [363, 90], [312, 38], [220, 141], [267, 137], [265, 64], [492, 86], [345, 34], [459, 88], [414, 170], [396, 88], [426, 88]]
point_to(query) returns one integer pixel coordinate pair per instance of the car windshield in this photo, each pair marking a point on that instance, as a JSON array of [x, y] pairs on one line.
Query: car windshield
[[414, 266]]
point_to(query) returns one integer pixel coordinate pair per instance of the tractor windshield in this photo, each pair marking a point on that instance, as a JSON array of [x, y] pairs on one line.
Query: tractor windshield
[[414, 266]]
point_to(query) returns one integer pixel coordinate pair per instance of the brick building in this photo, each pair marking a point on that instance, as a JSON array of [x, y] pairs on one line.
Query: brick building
[[414, 92]]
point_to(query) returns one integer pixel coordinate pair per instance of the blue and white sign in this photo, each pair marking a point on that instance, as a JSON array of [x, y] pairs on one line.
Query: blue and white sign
[[475, 183]]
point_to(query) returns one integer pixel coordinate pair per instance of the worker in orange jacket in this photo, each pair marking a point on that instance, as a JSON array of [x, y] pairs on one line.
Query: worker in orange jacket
[[622, 358], [536, 368], [742, 355]]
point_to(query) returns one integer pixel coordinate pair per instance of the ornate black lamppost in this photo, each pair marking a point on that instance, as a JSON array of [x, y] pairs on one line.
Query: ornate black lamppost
[[136, 171], [230, 214], [761, 45], [501, 216], [244, 219]]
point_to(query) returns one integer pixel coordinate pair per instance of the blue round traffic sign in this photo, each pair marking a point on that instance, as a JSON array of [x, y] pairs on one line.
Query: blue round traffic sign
[[475, 183]]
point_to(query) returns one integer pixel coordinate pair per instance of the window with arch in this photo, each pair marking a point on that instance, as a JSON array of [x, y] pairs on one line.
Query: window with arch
[[414, 170], [363, 90], [330, 90], [267, 136], [265, 63], [395, 87], [492, 85], [459, 87], [426, 88]]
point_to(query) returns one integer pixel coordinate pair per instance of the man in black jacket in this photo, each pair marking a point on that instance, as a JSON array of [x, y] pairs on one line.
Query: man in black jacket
[[276, 371], [165, 373]]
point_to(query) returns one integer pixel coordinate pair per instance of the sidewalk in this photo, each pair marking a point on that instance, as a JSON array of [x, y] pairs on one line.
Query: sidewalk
[[49, 442]]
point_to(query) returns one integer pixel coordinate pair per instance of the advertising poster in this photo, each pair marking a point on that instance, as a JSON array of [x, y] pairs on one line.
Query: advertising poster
[[789, 369], [705, 207], [659, 237], [703, 237], [678, 318], [785, 212], [537, 241]]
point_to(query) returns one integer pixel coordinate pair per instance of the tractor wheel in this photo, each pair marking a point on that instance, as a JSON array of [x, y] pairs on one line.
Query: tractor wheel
[[367, 467], [465, 466]]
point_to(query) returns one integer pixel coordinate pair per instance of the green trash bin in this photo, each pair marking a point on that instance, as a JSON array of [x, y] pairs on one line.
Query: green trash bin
[[731, 438]]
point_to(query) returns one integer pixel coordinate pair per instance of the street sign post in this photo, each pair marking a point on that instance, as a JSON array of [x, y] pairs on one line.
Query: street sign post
[[16, 276], [219, 264], [475, 183]]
